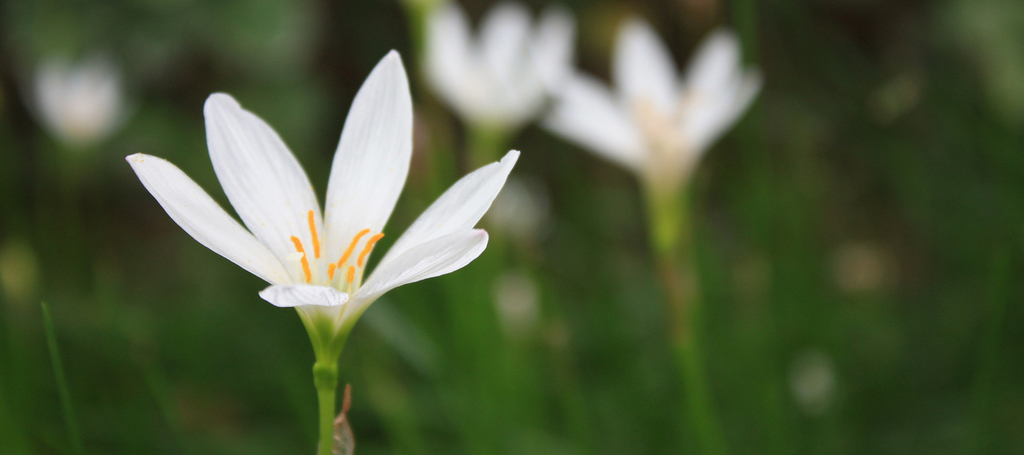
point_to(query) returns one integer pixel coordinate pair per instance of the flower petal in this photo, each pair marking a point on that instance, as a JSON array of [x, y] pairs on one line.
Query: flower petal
[[586, 113], [709, 116], [503, 34], [643, 68], [552, 46], [448, 50], [287, 296], [201, 217], [261, 177], [434, 258], [372, 160], [715, 63], [458, 209]]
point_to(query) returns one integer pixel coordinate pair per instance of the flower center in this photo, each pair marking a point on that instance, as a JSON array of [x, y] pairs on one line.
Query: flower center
[[350, 262], [670, 156], [351, 275], [658, 128]]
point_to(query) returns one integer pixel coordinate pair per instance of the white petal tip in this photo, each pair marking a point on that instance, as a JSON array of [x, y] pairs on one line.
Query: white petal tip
[[392, 62], [510, 158], [288, 296], [391, 73], [139, 158], [724, 33], [219, 100]]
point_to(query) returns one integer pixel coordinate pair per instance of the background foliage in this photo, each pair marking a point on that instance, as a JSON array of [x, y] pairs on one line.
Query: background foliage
[[860, 238]]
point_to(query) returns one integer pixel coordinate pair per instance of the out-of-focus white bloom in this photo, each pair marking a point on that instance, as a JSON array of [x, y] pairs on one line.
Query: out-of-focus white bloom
[[521, 210], [80, 104], [517, 301], [19, 270], [812, 380], [313, 260], [501, 79], [863, 267], [657, 124]]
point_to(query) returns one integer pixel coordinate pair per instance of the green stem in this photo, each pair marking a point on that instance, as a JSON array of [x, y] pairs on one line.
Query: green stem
[[62, 383], [671, 241], [417, 14], [982, 402], [328, 343], [486, 144], [325, 376]]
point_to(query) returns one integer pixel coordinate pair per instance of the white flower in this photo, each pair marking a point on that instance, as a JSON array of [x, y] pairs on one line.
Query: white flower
[[517, 301], [863, 267], [502, 79], [813, 381], [312, 263], [80, 104], [522, 210], [657, 124]]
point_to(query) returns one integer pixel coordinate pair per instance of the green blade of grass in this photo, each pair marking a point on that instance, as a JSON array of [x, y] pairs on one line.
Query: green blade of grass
[[62, 384]]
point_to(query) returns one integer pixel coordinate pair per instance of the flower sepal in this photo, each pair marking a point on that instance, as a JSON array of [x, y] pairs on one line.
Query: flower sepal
[[326, 332]]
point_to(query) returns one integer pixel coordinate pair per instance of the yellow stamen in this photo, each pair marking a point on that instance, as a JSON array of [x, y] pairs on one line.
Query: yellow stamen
[[316, 239], [368, 247], [305, 262], [330, 271], [352, 247], [351, 274]]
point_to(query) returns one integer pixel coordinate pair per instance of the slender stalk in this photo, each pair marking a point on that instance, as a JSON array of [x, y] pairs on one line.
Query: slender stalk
[[982, 393], [325, 377], [486, 144], [671, 241], [328, 343], [62, 384], [417, 14]]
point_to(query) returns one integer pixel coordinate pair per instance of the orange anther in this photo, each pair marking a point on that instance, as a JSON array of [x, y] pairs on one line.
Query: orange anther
[[330, 271], [316, 239], [351, 274], [352, 247], [305, 262], [368, 247]]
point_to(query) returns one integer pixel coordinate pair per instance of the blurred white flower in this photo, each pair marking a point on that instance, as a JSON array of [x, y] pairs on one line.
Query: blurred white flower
[[19, 271], [80, 104], [517, 301], [812, 380], [863, 267], [503, 78], [521, 210], [657, 124], [289, 243]]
